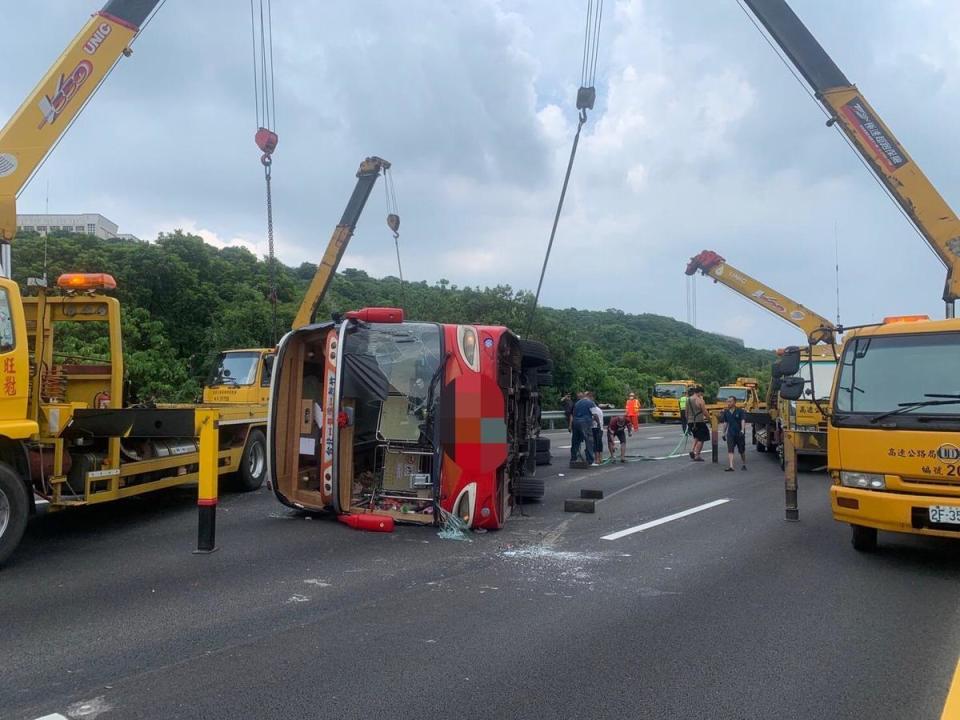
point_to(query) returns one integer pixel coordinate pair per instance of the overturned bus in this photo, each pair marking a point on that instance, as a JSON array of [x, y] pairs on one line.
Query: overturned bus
[[371, 414]]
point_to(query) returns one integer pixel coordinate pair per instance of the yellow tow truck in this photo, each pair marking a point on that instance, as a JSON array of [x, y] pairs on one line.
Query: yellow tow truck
[[66, 437], [894, 411], [801, 417], [744, 391], [666, 399]]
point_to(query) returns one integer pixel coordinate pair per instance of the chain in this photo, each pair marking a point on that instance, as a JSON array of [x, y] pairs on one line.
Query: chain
[[267, 161]]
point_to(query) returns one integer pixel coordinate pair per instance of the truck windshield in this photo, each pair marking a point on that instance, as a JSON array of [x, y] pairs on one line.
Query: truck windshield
[[669, 390], [879, 374], [236, 368], [821, 373], [739, 393]]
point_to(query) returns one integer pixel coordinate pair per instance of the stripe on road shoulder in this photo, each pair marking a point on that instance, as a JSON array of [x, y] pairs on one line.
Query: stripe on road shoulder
[[663, 520], [55, 716]]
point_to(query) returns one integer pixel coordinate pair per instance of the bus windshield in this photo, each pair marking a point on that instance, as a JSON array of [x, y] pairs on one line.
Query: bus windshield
[[669, 390], [881, 374], [408, 354], [739, 393]]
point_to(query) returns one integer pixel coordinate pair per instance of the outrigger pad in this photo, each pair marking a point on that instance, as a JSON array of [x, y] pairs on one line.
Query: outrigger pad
[[591, 494], [580, 505]]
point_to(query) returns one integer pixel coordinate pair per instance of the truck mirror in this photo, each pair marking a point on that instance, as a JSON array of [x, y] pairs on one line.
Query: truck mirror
[[790, 362], [792, 388]]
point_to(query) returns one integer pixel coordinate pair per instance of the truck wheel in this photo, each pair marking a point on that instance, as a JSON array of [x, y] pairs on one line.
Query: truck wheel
[[14, 510], [864, 539], [253, 462]]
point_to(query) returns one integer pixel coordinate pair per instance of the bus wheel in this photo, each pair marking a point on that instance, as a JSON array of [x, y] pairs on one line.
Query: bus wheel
[[14, 510], [253, 462], [864, 539]]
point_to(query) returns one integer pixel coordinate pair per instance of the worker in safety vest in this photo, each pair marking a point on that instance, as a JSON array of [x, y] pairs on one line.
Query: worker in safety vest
[[633, 412], [683, 412]]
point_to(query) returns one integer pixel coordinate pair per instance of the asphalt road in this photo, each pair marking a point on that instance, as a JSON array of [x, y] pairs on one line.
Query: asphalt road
[[729, 612]]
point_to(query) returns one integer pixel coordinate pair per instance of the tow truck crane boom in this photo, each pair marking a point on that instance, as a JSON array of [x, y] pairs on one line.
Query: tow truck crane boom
[[816, 327], [367, 176], [47, 112], [930, 213]]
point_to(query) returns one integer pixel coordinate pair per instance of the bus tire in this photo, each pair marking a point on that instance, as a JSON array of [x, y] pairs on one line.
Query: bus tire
[[529, 488], [864, 539], [543, 451], [14, 511], [253, 462], [535, 354]]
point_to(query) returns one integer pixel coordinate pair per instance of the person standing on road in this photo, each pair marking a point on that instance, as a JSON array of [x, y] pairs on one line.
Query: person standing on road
[[618, 428], [697, 421], [732, 419], [683, 410], [566, 402], [597, 414], [633, 411], [582, 430]]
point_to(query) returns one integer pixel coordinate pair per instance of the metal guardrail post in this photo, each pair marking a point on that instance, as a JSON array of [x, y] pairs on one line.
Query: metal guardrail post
[[208, 432]]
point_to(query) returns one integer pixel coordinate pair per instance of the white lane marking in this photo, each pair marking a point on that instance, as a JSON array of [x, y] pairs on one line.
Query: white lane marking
[[54, 716], [661, 521], [563, 447], [655, 437]]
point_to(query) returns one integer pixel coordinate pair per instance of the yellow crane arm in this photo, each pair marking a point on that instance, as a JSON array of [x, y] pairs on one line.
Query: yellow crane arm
[[39, 122], [816, 327], [367, 176], [878, 146]]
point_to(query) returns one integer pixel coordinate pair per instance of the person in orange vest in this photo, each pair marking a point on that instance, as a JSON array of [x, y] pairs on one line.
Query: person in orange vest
[[633, 411]]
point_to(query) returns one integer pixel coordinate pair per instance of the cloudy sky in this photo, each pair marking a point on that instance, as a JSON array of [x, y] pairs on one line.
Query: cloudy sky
[[701, 139]]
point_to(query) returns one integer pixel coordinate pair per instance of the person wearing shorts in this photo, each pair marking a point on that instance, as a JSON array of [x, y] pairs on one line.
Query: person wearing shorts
[[732, 419], [697, 422], [618, 427]]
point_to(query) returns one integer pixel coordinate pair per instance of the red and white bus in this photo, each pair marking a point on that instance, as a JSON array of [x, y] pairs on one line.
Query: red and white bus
[[371, 414]]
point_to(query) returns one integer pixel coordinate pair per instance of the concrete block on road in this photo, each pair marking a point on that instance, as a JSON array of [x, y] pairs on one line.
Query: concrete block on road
[[591, 494], [580, 505]]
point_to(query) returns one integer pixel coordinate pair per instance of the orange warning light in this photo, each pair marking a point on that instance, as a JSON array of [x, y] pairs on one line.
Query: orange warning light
[[904, 318], [86, 281]]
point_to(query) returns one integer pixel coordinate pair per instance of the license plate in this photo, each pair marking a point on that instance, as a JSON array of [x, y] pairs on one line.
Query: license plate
[[946, 514]]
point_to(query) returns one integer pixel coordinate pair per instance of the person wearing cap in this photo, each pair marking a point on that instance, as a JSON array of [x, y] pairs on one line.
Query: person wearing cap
[[633, 411]]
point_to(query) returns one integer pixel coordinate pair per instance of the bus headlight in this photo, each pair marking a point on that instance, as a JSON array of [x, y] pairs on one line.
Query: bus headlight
[[870, 481]]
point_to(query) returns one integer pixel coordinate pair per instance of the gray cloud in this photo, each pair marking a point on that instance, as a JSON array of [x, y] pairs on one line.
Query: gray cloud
[[701, 139]]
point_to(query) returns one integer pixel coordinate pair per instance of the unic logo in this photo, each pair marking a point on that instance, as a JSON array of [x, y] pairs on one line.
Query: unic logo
[[948, 453], [67, 86], [96, 40]]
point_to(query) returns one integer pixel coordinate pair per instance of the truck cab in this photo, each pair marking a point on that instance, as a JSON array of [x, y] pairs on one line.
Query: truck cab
[[240, 376], [894, 429], [666, 399]]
